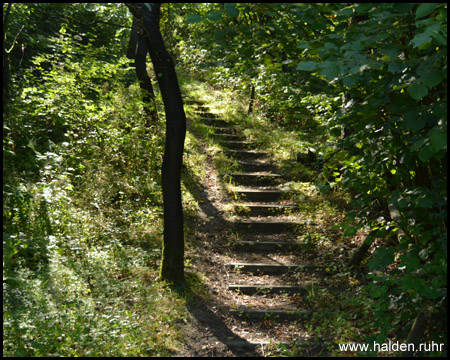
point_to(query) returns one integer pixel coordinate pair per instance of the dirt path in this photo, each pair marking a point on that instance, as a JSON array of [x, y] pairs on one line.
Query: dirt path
[[250, 307]]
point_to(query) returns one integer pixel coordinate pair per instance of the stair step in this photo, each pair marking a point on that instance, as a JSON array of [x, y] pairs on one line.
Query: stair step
[[228, 137], [202, 113], [222, 130], [246, 154], [276, 315], [214, 122], [202, 109], [267, 289], [199, 109], [255, 179], [263, 209], [267, 227], [193, 102], [256, 348], [251, 166], [236, 144], [259, 195], [271, 268], [263, 246], [249, 345]]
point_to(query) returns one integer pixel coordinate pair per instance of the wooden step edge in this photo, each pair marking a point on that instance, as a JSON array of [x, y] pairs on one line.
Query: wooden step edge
[[270, 314], [267, 227], [271, 268], [213, 118], [268, 289], [240, 142], [221, 123], [214, 121], [251, 191], [267, 205], [236, 145], [267, 223], [228, 137], [248, 210], [246, 153], [255, 178], [193, 102], [264, 345], [221, 130], [250, 162], [256, 166], [253, 345], [256, 174], [266, 246]]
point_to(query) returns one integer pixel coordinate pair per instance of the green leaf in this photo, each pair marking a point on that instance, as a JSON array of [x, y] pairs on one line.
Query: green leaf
[[402, 202], [374, 291], [329, 70], [421, 39], [330, 46], [418, 144], [425, 9], [426, 202], [336, 131], [231, 10], [425, 153], [307, 65], [347, 12], [350, 81], [391, 50], [442, 40], [432, 77], [438, 139], [219, 33], [413, 122], [381, 257], [214, 15], [395, 67], [351, 215], [193, 18], [354, 46], [303, 45], [417, 90]]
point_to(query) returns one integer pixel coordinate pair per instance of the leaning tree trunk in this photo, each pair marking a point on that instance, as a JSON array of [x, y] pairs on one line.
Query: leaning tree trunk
[[137, 50], [5, 58], [172, 266]]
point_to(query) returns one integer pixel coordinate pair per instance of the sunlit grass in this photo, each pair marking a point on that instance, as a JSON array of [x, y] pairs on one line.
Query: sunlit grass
[[81, 248]]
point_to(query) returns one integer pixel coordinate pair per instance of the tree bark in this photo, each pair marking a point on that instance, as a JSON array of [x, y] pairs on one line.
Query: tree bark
[[172, 266], [5, 58], [416, 333], [137, 50], [252, 100], [363, 249]]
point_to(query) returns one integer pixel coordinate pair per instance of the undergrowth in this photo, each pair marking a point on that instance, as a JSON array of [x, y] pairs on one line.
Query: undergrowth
[[82, 214]]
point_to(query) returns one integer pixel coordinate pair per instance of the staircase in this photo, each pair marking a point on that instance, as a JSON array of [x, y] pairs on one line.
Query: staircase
[[267, 274]]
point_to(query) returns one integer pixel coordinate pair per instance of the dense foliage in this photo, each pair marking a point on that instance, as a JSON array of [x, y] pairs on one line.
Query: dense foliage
[[380, 73], [362, 85], [82, 198]]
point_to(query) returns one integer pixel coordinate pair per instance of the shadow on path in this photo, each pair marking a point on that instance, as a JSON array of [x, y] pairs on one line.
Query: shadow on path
[[209, 334]]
